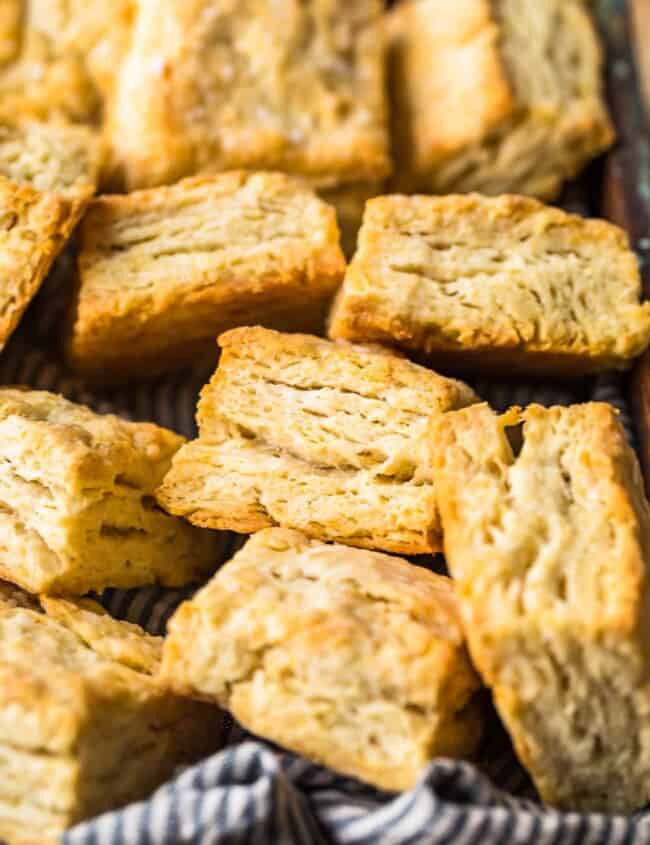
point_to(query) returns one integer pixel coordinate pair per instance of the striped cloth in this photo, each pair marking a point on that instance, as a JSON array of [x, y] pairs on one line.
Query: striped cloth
[[252, 792], [254, 795]]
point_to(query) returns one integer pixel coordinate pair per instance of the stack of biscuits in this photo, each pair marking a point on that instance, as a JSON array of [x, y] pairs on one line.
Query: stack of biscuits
[[340, 207]]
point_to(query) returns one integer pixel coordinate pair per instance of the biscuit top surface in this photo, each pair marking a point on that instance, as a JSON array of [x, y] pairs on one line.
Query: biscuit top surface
[[286, 599], [481, 218], [57, 56], [26, 211], [114, 639], [96, 32], [50, 157], [428, 270], [52, 682], [244, 83], [556, 528], [85, 448], [312, 576], [307, 362]]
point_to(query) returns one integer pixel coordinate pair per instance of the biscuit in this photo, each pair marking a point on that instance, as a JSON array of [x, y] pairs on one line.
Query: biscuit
[[295, 87], [547, 534], [58, 57], [308, 434], [163, 272], [76, 505], [58, 158], [352, 658], [504, 284], [82, 733], [34, 227], [495, 97], [114, 639]]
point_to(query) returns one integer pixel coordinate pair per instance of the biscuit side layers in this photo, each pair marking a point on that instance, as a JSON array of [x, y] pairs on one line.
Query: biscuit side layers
[[351, 657], [34, 228], [326, 438], [51, 157], [58, 57], [163, 272], [495, 96], [76, 501], [504, 284], [80, 733], [547, 534]]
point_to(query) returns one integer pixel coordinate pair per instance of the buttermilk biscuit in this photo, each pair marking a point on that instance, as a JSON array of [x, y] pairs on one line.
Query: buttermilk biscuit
[[326, 438], [548, 542], [296, 87], [350, 657], [505, 284], [163, 272], [58, 57], [495, 96], [63, 159], [76, 506], [82, 732], [34, 227]]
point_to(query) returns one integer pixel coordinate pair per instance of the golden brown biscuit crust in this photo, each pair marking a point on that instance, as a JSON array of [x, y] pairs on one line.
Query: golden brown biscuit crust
[[495, 96], [76, 505], [351, 657], [81, 733], [547, 534], [296, 87], [34, 228], [319, 436], [503, 284], [51, 157], [117, 640], [58, 57], [163, 272]]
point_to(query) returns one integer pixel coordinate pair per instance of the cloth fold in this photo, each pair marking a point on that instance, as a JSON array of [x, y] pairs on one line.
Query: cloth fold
[[250, 794]]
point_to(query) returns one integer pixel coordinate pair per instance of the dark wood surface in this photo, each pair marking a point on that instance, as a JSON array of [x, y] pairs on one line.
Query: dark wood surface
[[640, 12], [626, 189]]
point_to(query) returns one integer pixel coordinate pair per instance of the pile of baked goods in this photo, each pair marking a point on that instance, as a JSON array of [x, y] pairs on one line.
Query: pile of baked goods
[[209, 163]]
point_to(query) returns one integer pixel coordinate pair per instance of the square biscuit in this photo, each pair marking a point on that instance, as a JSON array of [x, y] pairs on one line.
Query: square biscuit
[[76, 506], [495, 97], [547, 536], [34, 228], [295, 87], [496, 284], [82, 732], [350, 657], [163, 272], [326, 438], [58, 57], [51, 157]]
